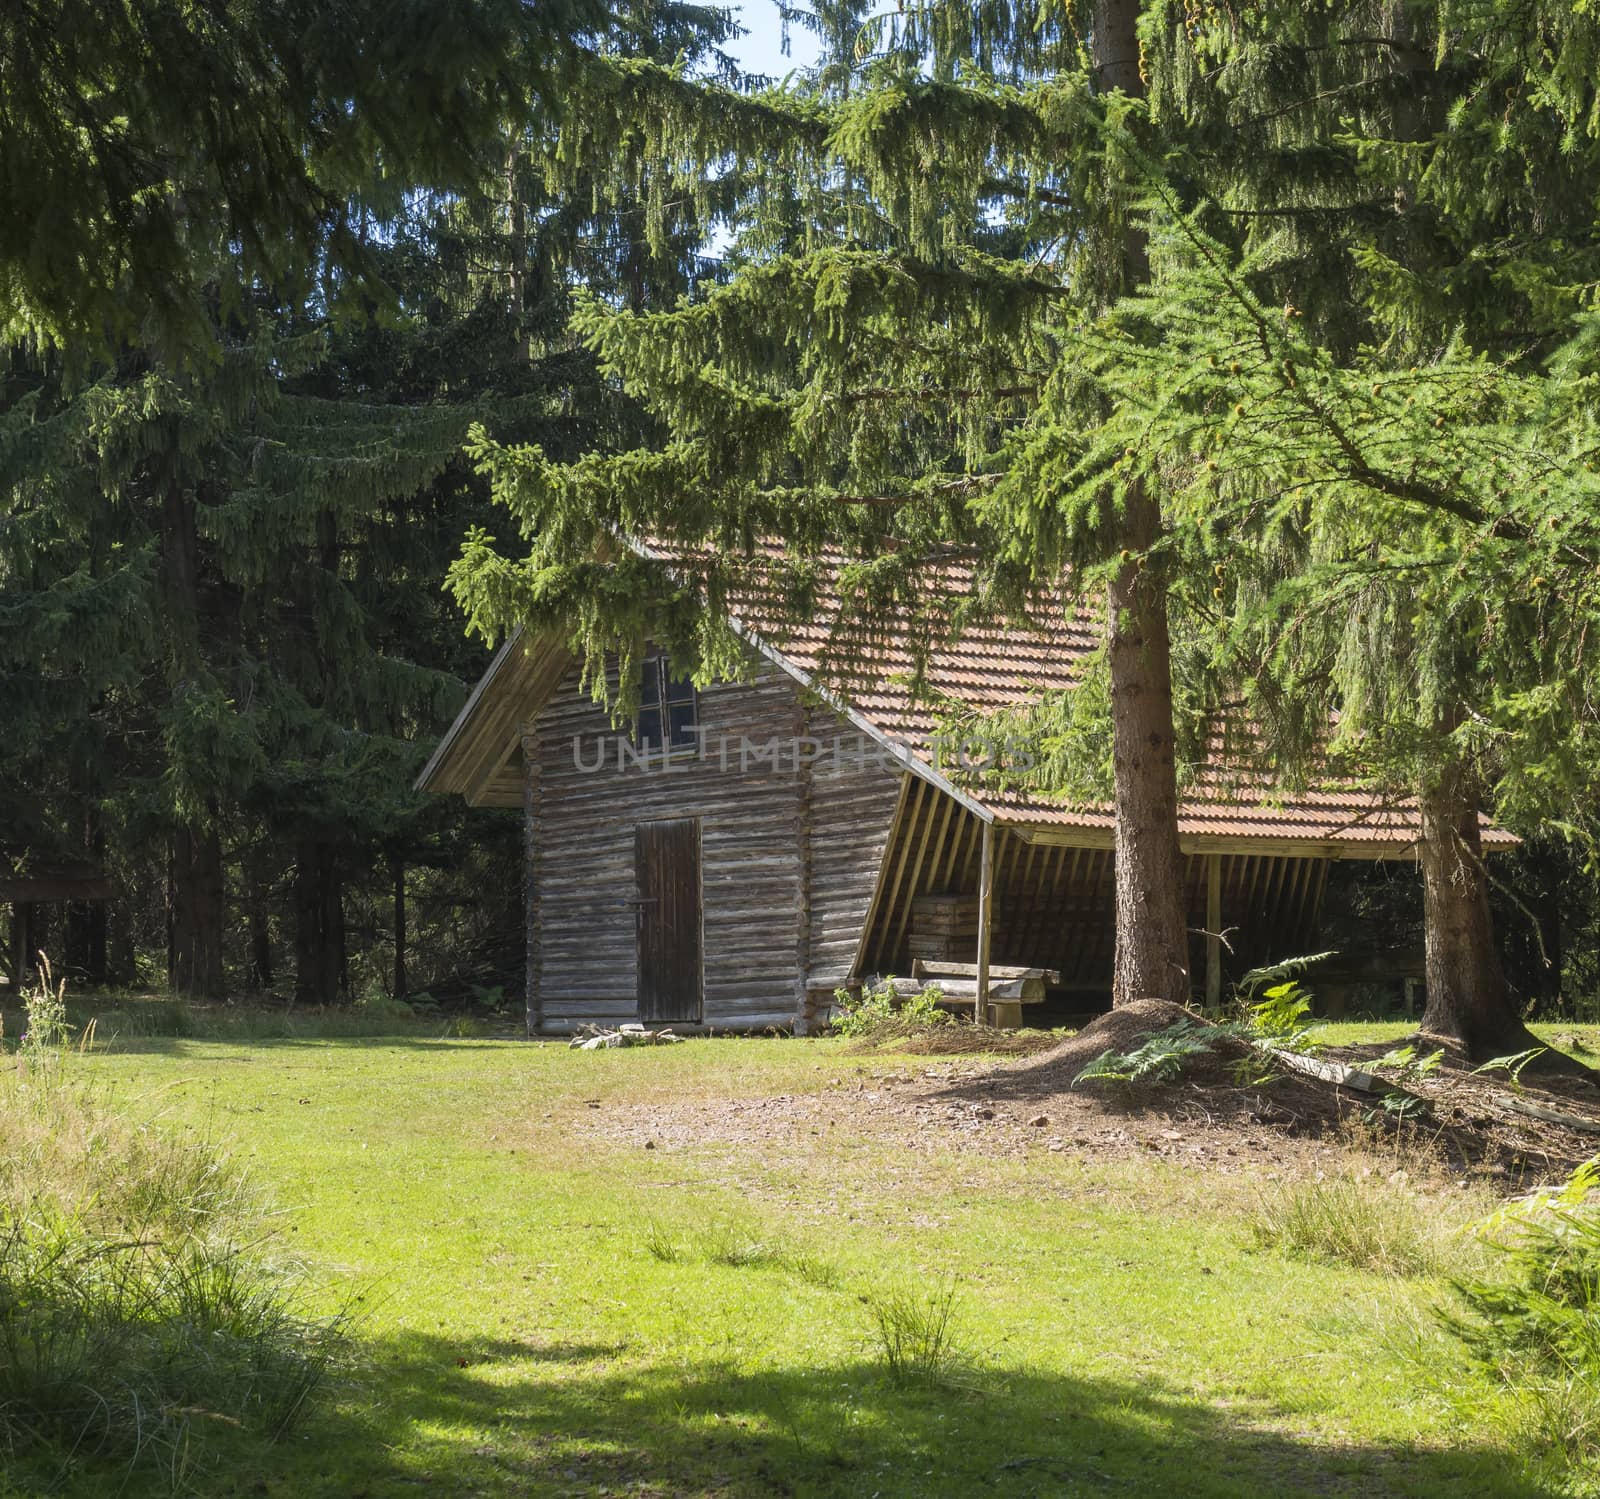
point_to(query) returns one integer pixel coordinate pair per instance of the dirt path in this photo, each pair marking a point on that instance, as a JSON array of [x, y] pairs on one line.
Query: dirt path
[[1226, 1112]]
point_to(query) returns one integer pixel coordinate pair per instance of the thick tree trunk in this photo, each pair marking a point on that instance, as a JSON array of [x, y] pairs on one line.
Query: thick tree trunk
[[260, 937], [319, 924], [86, 920], [401, 982], [1469, 1006], [1152, 948], [198, 903], [1152, 941]]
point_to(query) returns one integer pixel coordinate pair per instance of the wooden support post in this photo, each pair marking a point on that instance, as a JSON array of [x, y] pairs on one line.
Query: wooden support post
[[1214, 933], [985, 914]]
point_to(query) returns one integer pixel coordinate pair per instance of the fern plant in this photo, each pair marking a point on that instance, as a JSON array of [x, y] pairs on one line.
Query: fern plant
[[1160, 1059], [1408, 1064], [1277, 975], [1281, 1019]]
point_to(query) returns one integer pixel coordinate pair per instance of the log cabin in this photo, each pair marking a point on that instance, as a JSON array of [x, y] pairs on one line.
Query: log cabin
[[749, 846]]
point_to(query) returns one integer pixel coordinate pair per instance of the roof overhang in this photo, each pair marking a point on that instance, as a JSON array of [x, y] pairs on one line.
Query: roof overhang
[[478, 758], [1331, 845]]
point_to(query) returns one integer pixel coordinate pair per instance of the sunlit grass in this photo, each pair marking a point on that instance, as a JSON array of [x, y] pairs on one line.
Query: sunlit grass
[[551, 1309]]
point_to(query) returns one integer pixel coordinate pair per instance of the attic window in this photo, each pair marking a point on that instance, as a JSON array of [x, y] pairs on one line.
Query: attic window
[[667, 709]]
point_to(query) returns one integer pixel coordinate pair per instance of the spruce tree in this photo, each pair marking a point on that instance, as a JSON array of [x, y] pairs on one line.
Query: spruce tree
[[915, 229], [138, 136], [1381, 168], [225, 569], [932, 225]]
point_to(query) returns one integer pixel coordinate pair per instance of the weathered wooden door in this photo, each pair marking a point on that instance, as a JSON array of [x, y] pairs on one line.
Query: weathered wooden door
[[667, 866]]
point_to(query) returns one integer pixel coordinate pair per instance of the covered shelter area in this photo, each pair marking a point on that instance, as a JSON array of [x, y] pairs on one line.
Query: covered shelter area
[[750, 846]]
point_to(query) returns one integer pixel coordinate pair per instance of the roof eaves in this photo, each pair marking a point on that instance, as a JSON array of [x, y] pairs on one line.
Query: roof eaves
[[428, 773]]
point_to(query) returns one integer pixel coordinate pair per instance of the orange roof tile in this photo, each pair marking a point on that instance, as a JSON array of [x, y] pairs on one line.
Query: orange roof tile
[[993, 667]]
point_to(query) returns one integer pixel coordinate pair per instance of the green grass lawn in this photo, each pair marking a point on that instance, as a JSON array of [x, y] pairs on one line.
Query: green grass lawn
[[543, 1308]]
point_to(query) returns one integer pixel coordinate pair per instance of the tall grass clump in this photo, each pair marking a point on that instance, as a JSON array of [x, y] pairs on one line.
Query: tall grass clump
[[141, 1308], [1368, 1217], [1532, 1321], [918, 1335]]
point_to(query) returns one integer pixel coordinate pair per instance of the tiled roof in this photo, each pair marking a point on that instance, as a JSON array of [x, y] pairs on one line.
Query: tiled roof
[[992, 667]]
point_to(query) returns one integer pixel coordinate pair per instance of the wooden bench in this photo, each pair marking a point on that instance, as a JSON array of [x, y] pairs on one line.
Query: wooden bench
[[1010, 987]]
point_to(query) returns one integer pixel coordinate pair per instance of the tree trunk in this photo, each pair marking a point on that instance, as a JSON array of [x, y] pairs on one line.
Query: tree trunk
[[1152, 940], [86, 920], [1469, 1006], [260, 936], [1152, 948], [197, 902], [25, 938], [195, 969], [401, 983], [517, 251], [319, 925]]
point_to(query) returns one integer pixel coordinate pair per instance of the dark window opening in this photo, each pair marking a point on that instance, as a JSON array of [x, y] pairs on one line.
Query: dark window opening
[[667, 708]]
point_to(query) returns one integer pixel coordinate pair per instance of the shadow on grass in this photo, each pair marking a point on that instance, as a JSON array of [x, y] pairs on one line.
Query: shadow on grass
[[513, 1418]]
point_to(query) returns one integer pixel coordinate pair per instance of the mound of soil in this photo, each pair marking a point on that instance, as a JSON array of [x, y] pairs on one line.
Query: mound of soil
[[1128, 1028], [1226, 1086]]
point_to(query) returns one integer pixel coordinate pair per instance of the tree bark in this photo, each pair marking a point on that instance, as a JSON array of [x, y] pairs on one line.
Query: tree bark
[[1469, 1006], [1152, 947], [25, 938], [1152, 940], [401, 982], [197, 905], [195, 968], [260, 937], [319, 924]]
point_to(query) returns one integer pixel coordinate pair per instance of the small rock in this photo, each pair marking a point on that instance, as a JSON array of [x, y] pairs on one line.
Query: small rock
[[1171, 1134], [649, 1144]]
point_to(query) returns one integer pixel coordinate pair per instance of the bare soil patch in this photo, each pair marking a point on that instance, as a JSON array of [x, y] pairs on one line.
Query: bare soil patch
[[1214, 1115]]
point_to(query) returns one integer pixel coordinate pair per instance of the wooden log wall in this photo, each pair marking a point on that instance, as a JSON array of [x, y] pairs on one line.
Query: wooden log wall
[[790, 853], [532, 848], [853, 798]]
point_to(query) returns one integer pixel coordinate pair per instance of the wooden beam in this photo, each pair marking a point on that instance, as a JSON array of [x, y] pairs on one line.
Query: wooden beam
[[532, 807], [985, 914], [964, 821], [1314, 916], [866, 947], [937, 968], [1404, 845], [1214, 933], [928, 810]]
